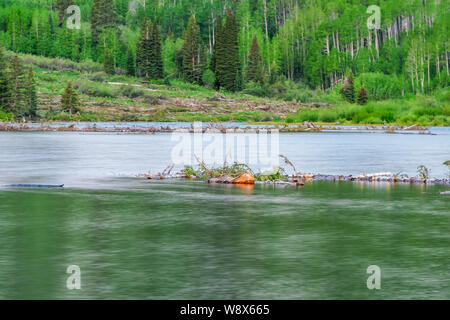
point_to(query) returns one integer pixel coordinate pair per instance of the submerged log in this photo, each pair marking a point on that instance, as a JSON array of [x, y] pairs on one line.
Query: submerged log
[[226, 178], [33, 186]]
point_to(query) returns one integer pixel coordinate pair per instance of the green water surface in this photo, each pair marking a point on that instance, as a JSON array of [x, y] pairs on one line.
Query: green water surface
[[172, 240]]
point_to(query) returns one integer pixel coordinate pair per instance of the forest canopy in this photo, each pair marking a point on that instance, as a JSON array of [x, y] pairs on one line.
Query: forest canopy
[[316, 43]]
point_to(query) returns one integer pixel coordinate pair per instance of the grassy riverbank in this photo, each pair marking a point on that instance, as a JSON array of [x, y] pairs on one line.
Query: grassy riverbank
[[123, 98]]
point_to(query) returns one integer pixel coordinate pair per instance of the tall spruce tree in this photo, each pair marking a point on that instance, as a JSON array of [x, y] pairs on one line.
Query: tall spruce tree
[[255, 63], [108, 62], [31, 98], [229, 67], [144, 49], [218, 36], [363, 96], [156, 62], [103, 16], [69, 101], [5, 92], [17, 79], [131, 63], [348, 89], [193, 55], [218, 58]]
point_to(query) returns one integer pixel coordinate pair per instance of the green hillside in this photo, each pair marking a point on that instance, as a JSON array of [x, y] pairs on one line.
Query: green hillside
[[257, 60]]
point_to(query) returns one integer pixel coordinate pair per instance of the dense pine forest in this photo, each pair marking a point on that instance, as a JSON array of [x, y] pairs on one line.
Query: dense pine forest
[[286, 49]]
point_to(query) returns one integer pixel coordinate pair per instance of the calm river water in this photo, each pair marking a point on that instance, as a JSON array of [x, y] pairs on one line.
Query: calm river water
[[142, 239]]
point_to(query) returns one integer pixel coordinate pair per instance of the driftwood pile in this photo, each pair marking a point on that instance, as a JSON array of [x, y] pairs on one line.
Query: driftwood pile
[[377, 177]]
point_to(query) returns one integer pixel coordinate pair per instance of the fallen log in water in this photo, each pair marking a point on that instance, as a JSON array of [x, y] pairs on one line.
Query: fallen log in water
[[300, 178], [45, 186], [240, 173], [370, 178]]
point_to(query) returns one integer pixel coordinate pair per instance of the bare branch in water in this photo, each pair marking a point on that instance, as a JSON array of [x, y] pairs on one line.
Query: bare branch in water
[[288, 162]]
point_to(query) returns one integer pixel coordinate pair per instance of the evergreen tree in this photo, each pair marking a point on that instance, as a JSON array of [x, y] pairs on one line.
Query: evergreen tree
[[103, 16], [238, 82], [69, 100], [31, 95], [131, 63], [218, 37], [229, 63], [61, 6], [255, 63], [218, 62], [17, 79], [348, 89], [156, 61], [144, 49], [108, 62], [363, 96], [193, 56], [4, 82]]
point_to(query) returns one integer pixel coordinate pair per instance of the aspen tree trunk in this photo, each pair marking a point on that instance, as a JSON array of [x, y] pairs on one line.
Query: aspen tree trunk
[[422, 80], [417, 75], [265, 20], [376, 43], [210, 39], [328, 45], [428, 67], [357, 40], [446, 59], [266, 29], [438, 67], [337, 41]]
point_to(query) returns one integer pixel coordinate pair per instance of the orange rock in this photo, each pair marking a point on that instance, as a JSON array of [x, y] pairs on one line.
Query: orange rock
[[245, 178]]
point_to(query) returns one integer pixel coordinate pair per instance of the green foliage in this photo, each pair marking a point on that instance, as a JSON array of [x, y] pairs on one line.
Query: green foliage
[[69, 100], [447, 164], [423, 171], [5, 93], [227, 59], [279, 174], [17, 81], [348, 89], [144, 49], [156, 62], [380, 86], [255, 70], [209, 78], [169, 50], [94, 89], [402, 112], [103, 17], [131, 63], [6, 116], [204, 173], [299, 52], [108, 63], [363, 96], [31, 99], [297, 40], [193, 55], [61, 6], [98, 77]]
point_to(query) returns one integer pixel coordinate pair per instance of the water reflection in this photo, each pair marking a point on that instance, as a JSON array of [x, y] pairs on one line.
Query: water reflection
[[193, 240]]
